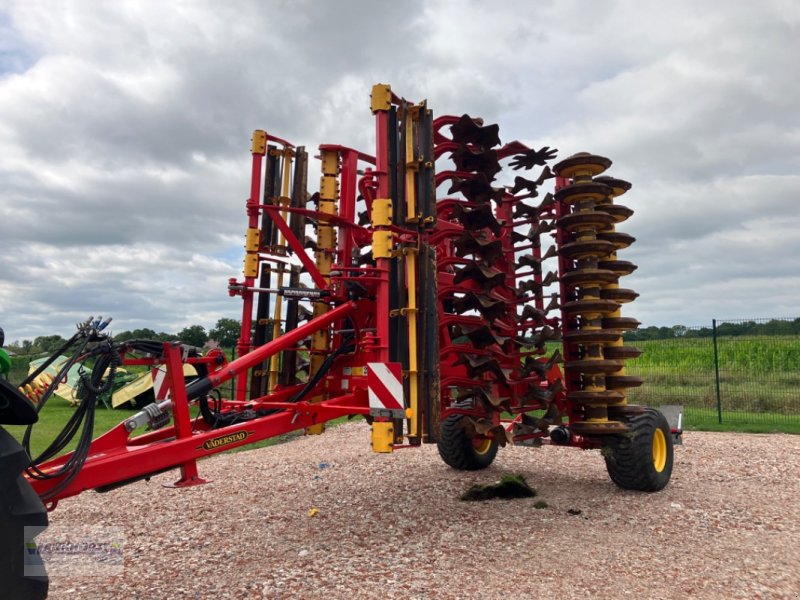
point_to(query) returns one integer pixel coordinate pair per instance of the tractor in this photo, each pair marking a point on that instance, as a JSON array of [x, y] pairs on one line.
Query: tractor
[[446, 287]]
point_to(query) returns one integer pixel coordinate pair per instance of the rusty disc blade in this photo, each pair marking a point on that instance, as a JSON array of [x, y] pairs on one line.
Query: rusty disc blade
[[490, 309], [620, 267], [520, 183], [580, 277], [522, 210], [477, 218], [472, 131], [587, 307], [620, 213], [582, 163], [487, 277], [479, 245], [624, 323], [620, 295], [587, 249], [482, 337], [595, 366], [585, 219], [621, 352], [580, 191], [620, 186], [593, 336], [619, 239], [618, 382], [476, 189], [481, 161]]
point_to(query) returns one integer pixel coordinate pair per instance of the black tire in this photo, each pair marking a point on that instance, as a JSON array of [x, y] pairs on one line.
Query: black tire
[[642, 459], [20, 507], [458, 450]]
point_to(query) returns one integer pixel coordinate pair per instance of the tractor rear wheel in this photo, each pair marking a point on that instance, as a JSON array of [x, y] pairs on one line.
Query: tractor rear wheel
[[641, 459], [461, 451], [20, 508]]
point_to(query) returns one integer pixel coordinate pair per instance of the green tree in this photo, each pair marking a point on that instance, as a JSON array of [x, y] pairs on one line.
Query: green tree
[[49, 343], [193, 335], [226, 332], [143, 334]]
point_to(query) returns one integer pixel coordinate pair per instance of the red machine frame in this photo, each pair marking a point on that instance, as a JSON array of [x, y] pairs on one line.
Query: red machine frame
[[117, 458]]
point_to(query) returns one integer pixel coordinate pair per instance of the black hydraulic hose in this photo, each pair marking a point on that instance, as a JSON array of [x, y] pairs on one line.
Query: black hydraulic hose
[[89, 389], [345, 348], [217, 419]]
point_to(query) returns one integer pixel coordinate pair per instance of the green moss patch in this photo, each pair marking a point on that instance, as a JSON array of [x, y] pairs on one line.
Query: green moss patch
[[509, 487]]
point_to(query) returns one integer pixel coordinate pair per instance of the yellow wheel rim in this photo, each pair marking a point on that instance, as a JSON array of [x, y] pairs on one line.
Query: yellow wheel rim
[[659, 450], [482, 446]]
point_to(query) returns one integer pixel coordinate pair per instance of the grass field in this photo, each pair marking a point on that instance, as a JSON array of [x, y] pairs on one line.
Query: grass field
[[56, 414], [759, 376], [58, 411], [759, 387]]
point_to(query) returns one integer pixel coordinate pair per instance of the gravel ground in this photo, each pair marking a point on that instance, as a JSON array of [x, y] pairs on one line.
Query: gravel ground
[[727, 526]]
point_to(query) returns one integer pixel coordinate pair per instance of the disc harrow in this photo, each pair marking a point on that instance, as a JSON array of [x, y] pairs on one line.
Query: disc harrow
[[593, 324]]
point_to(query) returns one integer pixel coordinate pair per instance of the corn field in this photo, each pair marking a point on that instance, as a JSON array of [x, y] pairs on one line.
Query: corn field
[[754, 376]]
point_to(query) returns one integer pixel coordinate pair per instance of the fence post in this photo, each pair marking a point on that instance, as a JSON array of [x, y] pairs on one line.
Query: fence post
[[716, 368]]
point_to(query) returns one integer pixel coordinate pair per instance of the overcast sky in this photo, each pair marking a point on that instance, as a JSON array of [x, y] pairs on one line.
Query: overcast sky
[[125, 132]]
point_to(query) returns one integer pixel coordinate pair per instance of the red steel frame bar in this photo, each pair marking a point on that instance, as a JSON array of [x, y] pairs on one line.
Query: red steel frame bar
[[115, 459], [243, 344], [382, 172]]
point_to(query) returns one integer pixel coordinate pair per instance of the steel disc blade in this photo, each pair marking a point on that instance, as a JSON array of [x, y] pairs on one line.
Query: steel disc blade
[[593, 366], [621, 352], [586, 249], [582, 163], [618, 382], [620, 295], [472, 131]]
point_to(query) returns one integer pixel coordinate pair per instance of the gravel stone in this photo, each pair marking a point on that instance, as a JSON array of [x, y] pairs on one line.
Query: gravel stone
[[392, 526]]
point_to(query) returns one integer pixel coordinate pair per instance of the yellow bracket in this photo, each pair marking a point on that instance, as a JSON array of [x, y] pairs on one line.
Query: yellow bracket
[[330, 163], [382, 244], [253, 239], [382, 436], [381, 97], [382, 212], [251, 265], [259, 142]]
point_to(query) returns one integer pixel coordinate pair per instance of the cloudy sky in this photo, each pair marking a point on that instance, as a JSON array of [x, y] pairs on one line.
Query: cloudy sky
[[125, 128]]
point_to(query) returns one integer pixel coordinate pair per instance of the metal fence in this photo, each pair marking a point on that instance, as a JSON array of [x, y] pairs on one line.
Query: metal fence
[[731, 371]]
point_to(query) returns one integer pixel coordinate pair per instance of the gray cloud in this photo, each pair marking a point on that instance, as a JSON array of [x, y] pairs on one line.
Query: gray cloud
[[124, 136]]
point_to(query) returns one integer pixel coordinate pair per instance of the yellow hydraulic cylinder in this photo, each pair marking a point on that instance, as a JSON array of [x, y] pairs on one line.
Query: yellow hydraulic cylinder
[[410, 256], [326, 246]]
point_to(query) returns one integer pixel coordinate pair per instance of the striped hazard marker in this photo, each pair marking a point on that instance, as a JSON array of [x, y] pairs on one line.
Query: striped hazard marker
[[160, 383], [385, 387]]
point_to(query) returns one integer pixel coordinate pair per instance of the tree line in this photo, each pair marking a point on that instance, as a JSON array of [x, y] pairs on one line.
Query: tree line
[[225, 333], [724, 328]]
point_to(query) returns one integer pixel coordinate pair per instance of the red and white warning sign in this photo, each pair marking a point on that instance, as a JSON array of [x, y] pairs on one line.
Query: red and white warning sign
[[160, 383], [385, 386]]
